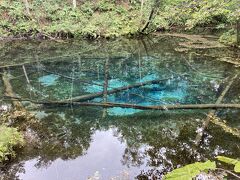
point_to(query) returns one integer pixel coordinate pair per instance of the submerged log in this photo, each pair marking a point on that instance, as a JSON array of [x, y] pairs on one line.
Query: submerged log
[[212, 112], [112, 91], [159, 107], [238, 32], [25, 74], [9, 91], [105, 87], [134, 106]]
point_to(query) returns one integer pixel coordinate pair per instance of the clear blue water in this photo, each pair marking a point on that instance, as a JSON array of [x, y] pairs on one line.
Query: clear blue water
[[48, 80], [79, 142]]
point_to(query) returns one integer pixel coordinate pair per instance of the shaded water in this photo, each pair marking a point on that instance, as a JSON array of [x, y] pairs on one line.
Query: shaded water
[[79, 142]]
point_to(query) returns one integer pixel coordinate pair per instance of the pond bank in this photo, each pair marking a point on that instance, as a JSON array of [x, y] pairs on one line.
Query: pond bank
[[110, 19], [186, 43]]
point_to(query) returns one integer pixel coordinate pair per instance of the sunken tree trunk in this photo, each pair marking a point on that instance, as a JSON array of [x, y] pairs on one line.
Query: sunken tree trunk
[[9, 91], [238, 32], [27, 7], [105, 87], [112, 91], [74, 4], [212, 112]]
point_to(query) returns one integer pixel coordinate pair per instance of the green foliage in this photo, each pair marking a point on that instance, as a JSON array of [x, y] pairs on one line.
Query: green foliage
[[105, 5], [229, 37], [9, 138], [108, 18], [234, 162], [190, 171]]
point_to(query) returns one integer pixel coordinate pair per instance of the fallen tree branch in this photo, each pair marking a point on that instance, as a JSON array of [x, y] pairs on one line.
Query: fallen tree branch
[[105, 87], [212, 112], [112, 91], [229, 172], [9, 91], [134, 106]]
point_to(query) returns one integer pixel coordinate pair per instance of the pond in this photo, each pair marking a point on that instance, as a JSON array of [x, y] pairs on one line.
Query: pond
[[79, 142]]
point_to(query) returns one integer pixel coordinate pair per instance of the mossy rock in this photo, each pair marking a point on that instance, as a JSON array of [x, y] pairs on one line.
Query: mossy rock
[[9, 139]]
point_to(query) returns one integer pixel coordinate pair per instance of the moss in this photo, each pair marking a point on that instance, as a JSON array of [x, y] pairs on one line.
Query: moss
[[9, 139]]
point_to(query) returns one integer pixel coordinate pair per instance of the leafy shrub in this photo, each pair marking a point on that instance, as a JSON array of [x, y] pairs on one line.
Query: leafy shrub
[[229, 37], [228, 160], [190, 171], [9, 138]]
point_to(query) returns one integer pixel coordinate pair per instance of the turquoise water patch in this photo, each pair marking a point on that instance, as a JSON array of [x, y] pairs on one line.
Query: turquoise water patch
[[171, 91], [118, 111], [112, 83], [169, 95], [48, 80], [149, 77], [166, 93]]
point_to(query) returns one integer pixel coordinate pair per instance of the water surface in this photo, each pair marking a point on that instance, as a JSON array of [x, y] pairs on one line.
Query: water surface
[[79, 142]]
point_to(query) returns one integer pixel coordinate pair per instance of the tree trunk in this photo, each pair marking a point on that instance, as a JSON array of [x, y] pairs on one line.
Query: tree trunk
[[105, 87], [25, 74], [74, 4], [166, 107], [9, 91], [238, 32], [153, 11], [141, 11], [27, 7]]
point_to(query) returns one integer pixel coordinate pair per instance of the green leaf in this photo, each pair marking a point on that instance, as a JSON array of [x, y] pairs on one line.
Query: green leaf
[[228, 160], [190, 171], [237, 167]]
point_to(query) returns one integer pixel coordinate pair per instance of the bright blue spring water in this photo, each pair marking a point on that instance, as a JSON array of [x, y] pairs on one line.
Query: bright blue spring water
[[76, 142]]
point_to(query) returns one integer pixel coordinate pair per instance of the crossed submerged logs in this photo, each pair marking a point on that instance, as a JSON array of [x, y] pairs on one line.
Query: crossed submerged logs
[[81, 100], [112, 91], [212, 113], [133, 106]]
